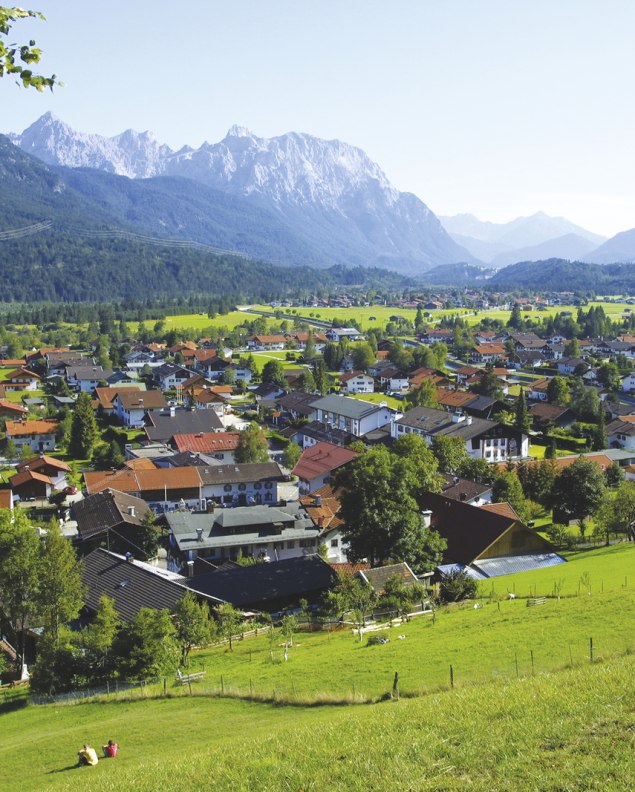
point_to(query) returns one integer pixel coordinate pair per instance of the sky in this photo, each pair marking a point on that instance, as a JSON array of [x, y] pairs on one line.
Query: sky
[[499, 108]]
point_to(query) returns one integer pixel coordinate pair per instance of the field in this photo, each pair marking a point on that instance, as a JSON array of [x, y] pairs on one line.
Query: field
[[567, 731], [508, 724]]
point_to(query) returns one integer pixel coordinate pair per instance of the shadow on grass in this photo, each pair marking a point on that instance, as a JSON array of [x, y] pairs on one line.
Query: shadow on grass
[[12, 705], [64, 769]]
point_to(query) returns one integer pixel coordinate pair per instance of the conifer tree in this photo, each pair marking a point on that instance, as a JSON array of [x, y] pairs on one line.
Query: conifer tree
[[84, 431]]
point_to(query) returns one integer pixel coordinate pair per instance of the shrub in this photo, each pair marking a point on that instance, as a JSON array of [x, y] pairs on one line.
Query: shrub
[[458, 585]]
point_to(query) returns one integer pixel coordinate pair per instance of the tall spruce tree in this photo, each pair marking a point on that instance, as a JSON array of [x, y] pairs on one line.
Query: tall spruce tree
[[84, 431]]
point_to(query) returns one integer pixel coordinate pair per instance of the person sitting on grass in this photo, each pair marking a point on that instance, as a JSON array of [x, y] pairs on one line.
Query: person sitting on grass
[[110, 750], [87, 756]]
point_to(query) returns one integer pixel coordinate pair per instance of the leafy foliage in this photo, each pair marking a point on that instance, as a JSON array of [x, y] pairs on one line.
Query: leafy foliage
[[17, 59]]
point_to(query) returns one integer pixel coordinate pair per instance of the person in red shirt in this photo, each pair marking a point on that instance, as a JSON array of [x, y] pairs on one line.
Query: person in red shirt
[[110, 750]]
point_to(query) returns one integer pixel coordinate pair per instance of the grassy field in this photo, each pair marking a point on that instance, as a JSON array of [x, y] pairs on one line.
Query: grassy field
[[569, 731], [507, 724]]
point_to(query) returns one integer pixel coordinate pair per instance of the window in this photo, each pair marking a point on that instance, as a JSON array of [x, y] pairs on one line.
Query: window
[[268, 496], [290, 545], [269, 485], [242, 487], [258, 485], [335, 543], [227, 487]]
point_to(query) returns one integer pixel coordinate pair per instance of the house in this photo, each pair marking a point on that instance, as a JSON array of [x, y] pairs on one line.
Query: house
[[11, 410], [628, 383], [483, 439], [488, 353], [161, 488], [466, 491], [352, 415], [162, 426], [394, 379], [53, 468], [266, 342], [548, 415], [29, 485], [36, 435], [268, 587], [261, 532], [357, 382], [485, 541], [317, 464], [109, 510], [131, 405], [336, 334], [377, 577], [621, 433], [21, 379], [297, 404], [169, 375], [538, 390], [132, 585], [571, 365], [105, 394], [241, 485], [85, 379], [308, 435], [219, 445], [323, 506]]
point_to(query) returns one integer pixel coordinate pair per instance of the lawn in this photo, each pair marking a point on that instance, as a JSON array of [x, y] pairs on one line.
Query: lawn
[[567, 731]]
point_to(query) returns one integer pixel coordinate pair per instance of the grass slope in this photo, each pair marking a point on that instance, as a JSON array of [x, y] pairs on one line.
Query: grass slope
[[573, 730]]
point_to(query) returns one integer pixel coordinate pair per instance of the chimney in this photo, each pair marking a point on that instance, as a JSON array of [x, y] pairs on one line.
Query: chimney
[[199, 534], [129, 557], [190, 569], [426, 516], [172, 412], [457, 417], [131, 511], [317, 500]]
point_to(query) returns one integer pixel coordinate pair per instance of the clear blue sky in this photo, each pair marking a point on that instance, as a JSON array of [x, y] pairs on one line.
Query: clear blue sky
[[496, 107]]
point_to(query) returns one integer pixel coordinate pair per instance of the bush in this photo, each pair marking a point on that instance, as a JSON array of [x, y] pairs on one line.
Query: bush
[[457, 586]]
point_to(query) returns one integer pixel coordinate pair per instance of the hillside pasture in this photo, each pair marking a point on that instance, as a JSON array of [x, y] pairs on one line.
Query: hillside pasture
[[567, 731]]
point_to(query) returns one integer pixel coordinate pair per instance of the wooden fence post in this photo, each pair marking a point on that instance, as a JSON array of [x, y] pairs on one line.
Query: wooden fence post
[[395, 686], [451, 676]]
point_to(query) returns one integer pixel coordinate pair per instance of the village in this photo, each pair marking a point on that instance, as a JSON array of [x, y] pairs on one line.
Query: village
[[256, 477]]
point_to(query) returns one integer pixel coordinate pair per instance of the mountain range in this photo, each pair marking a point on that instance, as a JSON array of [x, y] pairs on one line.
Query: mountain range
[[290, 201], [532, 238], [328, 202]]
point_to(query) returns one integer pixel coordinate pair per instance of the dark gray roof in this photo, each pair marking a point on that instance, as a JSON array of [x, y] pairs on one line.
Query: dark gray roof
[[462, 489], [162, 426], [97, 513], [275, 582], [316, 430], [379, 576], [355, 409], [439, 422], [239, 526], [131, 584], [298, 401], [238, 474]]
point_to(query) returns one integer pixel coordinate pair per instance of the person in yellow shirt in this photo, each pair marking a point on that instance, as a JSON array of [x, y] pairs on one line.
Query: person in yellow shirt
[[87, 756]]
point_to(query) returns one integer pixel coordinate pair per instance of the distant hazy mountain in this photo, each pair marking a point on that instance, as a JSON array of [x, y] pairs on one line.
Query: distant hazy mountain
[[570, 246], [329, 194], [620, 248], [521, 239]]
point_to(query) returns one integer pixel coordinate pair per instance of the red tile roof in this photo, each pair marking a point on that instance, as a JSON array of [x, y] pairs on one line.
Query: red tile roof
[[207, 442], [22, 428], [320, 459]]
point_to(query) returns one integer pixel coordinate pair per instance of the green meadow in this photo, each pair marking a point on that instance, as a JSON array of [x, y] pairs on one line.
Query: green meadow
[[530, 708]]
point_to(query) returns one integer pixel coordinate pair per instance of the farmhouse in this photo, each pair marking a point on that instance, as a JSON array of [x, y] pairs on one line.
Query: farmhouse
[[36, 435], [486, 541]]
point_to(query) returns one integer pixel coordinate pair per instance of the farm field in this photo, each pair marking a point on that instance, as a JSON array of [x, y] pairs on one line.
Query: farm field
[[571, 730]]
